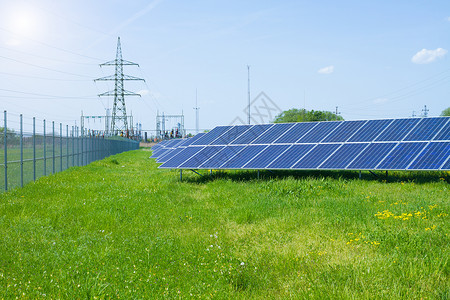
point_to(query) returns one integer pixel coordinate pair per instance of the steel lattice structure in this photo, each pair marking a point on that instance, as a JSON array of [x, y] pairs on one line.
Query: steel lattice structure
[[119, 120]]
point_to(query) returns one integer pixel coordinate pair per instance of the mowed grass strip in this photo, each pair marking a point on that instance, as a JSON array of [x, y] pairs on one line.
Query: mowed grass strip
[[121, 228]]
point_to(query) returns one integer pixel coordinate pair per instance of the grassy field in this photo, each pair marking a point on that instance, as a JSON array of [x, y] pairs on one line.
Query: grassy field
[[121, 228]]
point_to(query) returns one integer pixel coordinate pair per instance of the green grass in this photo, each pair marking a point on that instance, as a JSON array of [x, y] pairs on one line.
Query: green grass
[[121, 228]]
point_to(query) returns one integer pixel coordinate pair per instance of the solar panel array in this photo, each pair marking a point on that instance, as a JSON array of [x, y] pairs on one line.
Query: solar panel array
[[388, 144]]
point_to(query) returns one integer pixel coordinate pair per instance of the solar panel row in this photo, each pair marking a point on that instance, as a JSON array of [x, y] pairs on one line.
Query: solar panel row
[[399, 144]]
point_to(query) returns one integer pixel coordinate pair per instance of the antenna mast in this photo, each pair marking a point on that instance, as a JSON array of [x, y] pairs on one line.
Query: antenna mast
[[196, 113], [119, 119]]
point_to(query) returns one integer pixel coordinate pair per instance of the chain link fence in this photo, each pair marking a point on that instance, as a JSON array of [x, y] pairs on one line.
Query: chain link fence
[[31, 148]]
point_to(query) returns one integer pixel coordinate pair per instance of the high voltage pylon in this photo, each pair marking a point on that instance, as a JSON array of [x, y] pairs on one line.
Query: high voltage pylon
[[119, 119]]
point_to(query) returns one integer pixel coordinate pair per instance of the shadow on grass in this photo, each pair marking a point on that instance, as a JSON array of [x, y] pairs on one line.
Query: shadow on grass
[[205, 176]]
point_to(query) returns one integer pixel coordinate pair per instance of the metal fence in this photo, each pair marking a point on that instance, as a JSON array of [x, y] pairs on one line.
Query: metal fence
[[33, 148]]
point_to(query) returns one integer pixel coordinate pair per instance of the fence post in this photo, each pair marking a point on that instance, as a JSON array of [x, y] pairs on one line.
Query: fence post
[[60, 148], [45, 151], [73, 147], [21, 150], [53, 146], [34, 148], [67, 146], [82, 148], [5, 138]]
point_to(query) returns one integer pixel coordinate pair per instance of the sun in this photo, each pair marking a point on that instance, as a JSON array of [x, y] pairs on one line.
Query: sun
[[24, 23]]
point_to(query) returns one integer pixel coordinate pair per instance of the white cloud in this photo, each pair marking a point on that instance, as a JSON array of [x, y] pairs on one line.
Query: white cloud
[[425, 56], [326, 70]]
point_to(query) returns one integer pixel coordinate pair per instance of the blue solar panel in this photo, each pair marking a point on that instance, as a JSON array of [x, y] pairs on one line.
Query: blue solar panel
[[295, 133], [266, 157], [319, 132], [251, 134], [316, 156], [243, 157], [343, 132], [181, 157], [273, 133], [370, 131], [444, 134], [371, 156], [200, 157], [316, 145], [189, 141], [230, 135], [426, 129], [168, 155], [446, 165], [161, 152], [401, 156], [221, 157], [432, 157], [207, 138], [397, 130], [290, 156], [343, 156]]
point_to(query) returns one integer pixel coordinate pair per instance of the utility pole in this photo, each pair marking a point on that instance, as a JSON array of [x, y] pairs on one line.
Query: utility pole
[[248, 76], [337, 113], [119, 119], [425, 111], [196, 113]]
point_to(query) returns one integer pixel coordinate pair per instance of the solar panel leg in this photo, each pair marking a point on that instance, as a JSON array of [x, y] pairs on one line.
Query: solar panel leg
[[210, 172], [181, 175], [258, 174], [359, 174]]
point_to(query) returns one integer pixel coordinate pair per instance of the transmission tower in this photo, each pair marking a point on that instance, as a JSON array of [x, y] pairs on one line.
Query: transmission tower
[[119, 120]]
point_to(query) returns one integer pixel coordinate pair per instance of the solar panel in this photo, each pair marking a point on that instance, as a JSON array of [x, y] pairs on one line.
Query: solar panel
[[371, 156], [221, 157], [266, 156], [444, 134], [370, 131], [288, 158], [426, 129], [397, 130], [399, 144], [432, 157], [319, 132], [273, 133], [243, 157], [295, 133], [344, 132], [230, 135], [316, 156], [251, 134], [181, 157], [199, 158], [446, 165], [343, 156], [401, 156], [168, 155], [211, 136]]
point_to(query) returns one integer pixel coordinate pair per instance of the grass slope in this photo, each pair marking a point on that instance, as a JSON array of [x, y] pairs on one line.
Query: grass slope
[[120, 228]]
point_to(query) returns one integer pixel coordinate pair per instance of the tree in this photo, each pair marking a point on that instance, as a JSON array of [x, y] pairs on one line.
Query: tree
[[446, 112], [302, 115]]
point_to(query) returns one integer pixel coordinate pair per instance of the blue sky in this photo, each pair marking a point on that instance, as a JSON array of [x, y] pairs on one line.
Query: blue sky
[[372, 59]]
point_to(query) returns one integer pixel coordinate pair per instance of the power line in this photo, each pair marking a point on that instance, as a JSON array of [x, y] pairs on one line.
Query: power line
[[45, 68], [50, 46], [44, 95]]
